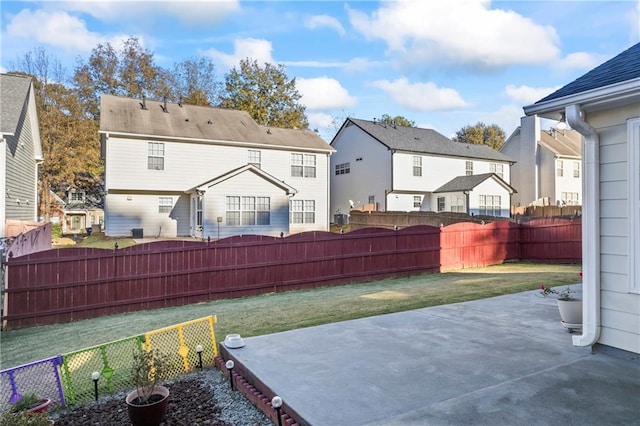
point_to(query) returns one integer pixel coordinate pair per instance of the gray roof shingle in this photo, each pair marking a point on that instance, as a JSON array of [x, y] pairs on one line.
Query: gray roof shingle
[[427, 141], [623, 67], [125, 115], [467, 183], [14, 92]]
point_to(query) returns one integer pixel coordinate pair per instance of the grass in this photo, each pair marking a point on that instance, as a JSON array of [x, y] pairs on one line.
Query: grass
[[277, 312], [100, 241]]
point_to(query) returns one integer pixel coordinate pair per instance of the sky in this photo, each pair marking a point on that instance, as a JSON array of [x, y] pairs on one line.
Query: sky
[[443, 64]]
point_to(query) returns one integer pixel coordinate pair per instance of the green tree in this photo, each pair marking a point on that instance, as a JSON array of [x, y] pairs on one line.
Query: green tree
[[397, 120], [69, 138], [266, 93], [194, 82], [129, 72], [481, 134]]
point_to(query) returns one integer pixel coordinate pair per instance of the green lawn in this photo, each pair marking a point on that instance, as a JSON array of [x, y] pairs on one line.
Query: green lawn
[[276, 312]]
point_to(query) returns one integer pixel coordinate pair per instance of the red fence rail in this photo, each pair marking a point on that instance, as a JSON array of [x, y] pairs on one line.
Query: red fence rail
[[77, 283]]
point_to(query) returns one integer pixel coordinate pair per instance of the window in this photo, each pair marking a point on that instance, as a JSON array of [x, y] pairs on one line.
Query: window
[[76, 197], [199, 213], [417, 165], [343, 169], [489, 205], [417, 201], [372, 199], [569, 198], [155, 156], [441, 204], [468, 167], [576, 169], [302, 211], [559, 168], [248, 211], [633, 162], [165, 204], [254, 158], [457, 204], [497, 168], [303, 165]]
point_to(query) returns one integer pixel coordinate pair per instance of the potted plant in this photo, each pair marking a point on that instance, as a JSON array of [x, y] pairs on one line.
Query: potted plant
[[570, 307], [32, 403], [147, 404]]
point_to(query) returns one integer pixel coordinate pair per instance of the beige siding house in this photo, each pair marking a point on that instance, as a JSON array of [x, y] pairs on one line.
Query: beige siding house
[[20, 151], [177, 170], [604, 107]]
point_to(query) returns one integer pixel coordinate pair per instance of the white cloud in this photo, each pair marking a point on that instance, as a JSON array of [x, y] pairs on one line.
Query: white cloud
[[194, 12], [578, 61], [421, 96], [325, 21], [526, 95], [323, 93], [634, 23], [507, 117], [57, 29], [460, 32], [255, 49], [319, 120]]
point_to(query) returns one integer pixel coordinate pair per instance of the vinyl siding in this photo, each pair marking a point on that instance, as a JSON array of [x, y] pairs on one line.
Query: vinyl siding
[[490, 187], [123, 212], [620, 309], [21, 171], [369, 176]]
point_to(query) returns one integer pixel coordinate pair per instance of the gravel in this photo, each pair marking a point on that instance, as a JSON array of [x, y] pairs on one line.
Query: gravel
[[201, 398]]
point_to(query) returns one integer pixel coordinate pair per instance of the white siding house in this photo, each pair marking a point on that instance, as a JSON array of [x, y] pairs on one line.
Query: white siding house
[[398, 168], [604, 106], [183, 170], [20, 150], [548, 168]]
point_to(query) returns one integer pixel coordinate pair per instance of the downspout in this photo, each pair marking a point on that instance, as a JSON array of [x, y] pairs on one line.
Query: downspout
[[590, 228]]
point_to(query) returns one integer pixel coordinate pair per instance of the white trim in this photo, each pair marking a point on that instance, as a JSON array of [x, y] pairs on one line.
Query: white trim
[[633, 143]]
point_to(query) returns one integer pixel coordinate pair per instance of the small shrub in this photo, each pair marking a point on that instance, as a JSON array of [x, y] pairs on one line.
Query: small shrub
[[28, 400], [56, 230], [147, 369]]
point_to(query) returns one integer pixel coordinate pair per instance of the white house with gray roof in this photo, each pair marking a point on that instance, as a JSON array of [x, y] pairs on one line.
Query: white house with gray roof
[[548, 169], [183, 170], [604, 107], [398, 168], [20, 150]]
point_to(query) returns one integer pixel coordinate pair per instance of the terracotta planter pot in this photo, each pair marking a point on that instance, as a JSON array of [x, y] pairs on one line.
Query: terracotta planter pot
[[148, 414], [570, 313]]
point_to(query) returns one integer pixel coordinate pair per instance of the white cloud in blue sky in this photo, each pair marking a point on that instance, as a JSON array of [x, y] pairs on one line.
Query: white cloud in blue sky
[[446, 64]]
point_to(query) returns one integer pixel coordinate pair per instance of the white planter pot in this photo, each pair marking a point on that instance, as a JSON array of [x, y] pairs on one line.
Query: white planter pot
[[570, 313]]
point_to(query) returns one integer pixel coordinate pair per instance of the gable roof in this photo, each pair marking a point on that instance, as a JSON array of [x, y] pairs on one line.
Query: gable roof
[[623, 67], [567, 143], [235, 172], [14, 93], [422, 141], [190, 122], [468, 183]]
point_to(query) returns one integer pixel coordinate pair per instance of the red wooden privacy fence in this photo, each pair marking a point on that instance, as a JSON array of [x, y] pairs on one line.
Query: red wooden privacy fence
[[78, 283]]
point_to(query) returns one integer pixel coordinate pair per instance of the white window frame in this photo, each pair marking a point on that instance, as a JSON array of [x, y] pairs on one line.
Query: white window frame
[[559, 168], [468, 168], [497, 168], [489, 205], [343, 169], [303, 165], [254, 158], [417, 165], [165, 204], [155, 155], [247, 210], [417, 200], [457, 204], [442, 204], [633, 162], [576, 169], [302, 211]]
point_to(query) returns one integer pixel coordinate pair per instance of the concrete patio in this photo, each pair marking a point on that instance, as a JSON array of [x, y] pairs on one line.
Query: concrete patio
[[500, 361]]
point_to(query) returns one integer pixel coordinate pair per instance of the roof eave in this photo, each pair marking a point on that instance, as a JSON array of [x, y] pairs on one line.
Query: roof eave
[[593, 99]]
